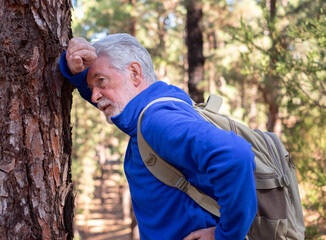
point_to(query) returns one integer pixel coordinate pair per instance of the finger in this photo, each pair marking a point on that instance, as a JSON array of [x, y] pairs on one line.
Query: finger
[[81, 60], [78, 41], [81, 48], [194, 235], [76, 46], [77, 62], [88, 56]]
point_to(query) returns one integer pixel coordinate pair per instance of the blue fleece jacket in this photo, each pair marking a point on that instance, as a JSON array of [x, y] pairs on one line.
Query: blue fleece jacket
[[218, 162]]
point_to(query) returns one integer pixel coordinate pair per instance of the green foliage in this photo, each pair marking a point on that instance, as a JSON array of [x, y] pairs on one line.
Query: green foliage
[[312, 233], [161, 31], [294, 55], [306, 67], [306, 78], [306, 139], [91, 18]]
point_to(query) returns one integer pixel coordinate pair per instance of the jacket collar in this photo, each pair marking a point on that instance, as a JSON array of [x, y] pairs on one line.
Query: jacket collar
[[126, 121]]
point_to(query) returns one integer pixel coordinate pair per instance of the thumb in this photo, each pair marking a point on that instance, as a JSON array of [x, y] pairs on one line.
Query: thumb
[[75, 64], [194, 235], [77, 61]]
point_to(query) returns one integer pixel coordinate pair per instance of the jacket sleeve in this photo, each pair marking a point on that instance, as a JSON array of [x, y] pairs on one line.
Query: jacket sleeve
[[182, 137], [78, 80]]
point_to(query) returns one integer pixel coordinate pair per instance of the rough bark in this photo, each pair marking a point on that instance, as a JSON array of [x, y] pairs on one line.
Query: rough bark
[[194, 40], [36, 199]]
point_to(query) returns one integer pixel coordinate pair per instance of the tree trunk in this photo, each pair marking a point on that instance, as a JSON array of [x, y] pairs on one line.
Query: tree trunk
[[253, 106], [194, 42], [36, 200], [133, 20], [272, 81], [212, 43]]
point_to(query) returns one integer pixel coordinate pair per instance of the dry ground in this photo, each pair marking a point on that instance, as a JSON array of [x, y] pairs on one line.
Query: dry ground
[[107, 219]]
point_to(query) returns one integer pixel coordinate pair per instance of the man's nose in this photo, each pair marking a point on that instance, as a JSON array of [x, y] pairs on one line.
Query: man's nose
[[96, 95]]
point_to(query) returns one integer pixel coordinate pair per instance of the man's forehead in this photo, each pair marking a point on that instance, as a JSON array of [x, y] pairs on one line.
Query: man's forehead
[[92, 75], [98, 67]]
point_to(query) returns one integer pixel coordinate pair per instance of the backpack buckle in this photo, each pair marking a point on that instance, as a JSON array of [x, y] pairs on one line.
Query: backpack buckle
[[182, 184], [150, 160]]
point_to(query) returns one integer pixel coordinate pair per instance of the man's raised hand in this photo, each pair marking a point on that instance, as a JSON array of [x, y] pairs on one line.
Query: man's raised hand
[[80, 55]]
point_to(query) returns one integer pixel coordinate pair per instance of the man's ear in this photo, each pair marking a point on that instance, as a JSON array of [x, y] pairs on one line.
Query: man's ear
[[136, 73]]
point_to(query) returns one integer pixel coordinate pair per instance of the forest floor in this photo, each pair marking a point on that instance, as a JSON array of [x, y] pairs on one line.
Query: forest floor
[[108, 214]]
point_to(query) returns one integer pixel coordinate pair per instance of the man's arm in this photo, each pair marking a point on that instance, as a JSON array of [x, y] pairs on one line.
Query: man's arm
[[200, 147], [74, 65]]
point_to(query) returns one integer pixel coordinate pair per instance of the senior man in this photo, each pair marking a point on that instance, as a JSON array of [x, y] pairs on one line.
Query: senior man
[[116, 75]]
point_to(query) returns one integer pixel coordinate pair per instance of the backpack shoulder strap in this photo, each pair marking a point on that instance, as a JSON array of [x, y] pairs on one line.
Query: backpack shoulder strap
[[213, 104], [167, 173]]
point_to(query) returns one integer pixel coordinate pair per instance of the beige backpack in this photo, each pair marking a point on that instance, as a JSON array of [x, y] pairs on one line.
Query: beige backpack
[[279, 214]]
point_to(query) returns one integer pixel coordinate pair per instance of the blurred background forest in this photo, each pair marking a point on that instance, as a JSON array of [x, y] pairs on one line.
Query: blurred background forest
[[266, 58]]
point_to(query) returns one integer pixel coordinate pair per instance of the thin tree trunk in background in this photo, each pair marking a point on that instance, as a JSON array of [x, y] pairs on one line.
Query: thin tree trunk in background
[[253, 106], [212, 43], [212, 84], [272, 7], [185, 69], [271, 90], [194, 43], [133, 21], [36, 200], [162, 28]]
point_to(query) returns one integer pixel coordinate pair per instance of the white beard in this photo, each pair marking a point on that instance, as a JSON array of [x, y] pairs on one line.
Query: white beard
[[117, 106]]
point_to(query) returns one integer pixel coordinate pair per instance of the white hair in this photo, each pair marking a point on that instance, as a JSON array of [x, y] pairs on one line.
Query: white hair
[[122, 49]]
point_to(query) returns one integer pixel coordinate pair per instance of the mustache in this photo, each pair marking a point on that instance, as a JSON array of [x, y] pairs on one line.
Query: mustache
[[104, 102]]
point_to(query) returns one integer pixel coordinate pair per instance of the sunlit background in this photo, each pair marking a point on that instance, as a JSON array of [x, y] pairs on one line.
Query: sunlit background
[[268, 64]]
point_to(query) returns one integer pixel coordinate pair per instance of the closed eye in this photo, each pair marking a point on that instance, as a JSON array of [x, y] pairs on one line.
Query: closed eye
[[102, 82]]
